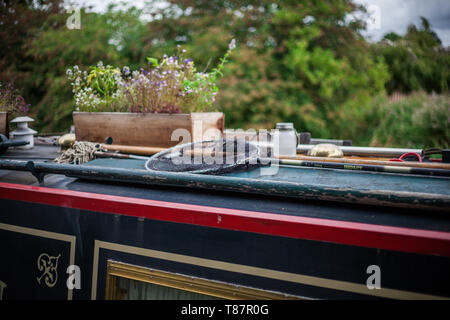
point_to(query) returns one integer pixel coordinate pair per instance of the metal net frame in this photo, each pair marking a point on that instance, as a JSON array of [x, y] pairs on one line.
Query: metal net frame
[[207, 157]]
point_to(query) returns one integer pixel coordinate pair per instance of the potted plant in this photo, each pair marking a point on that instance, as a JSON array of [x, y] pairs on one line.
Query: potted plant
[[146, 107], [12, 104]]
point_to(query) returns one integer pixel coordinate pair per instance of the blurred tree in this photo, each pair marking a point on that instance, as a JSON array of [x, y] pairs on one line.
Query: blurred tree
[[21, 21], [418, 120], [113, 37], [298, 61], [392, 36], [416, 61]]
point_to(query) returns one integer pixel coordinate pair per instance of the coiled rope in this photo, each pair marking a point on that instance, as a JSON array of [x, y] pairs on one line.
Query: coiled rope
[[80, 152]]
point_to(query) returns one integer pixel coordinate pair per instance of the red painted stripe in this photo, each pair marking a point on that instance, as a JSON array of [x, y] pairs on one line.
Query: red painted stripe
[[342, 232]]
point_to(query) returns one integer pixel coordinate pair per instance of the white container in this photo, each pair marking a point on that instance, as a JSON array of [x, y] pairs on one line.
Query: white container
[[285, 140]]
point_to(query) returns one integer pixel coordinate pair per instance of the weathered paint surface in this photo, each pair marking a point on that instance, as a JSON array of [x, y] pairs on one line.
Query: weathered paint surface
[[437, 200]]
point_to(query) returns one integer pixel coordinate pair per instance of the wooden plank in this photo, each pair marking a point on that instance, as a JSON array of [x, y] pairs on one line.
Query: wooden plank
[[137, 129], [4, 123]]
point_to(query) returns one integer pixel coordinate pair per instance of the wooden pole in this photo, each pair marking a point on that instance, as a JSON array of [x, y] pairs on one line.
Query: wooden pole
[[147, 151], [366, 167], [365, 151], [431, 165]]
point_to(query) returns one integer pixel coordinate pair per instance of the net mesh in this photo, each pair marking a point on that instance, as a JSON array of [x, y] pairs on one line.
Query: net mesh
[[207, 157]]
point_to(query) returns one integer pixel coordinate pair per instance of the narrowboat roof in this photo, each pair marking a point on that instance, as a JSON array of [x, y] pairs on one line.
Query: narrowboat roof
[[249, 191]]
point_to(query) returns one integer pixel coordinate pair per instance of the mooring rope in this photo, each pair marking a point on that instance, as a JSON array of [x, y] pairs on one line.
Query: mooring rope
[[80, 152]]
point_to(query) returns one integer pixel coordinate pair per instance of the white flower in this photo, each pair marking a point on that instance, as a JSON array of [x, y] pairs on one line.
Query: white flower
[[232, 44]]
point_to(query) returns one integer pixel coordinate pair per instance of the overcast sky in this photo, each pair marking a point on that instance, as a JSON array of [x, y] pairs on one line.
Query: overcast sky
[[396, 15], [389, 15]]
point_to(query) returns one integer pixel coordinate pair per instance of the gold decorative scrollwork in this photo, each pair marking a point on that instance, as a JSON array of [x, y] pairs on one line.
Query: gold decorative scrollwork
[[48, 265]]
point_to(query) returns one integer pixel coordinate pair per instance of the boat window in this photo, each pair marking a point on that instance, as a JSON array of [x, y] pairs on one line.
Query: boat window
[[130, 282], [138, 290]]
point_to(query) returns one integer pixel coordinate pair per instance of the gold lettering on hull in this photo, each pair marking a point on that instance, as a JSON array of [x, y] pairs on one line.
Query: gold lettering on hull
[[49, 266]]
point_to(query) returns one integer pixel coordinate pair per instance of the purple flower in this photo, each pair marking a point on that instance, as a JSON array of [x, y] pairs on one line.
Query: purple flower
[[25, 109]]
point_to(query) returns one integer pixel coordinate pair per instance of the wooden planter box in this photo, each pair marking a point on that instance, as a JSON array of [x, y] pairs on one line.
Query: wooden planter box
[[4, 124], [145, 129]]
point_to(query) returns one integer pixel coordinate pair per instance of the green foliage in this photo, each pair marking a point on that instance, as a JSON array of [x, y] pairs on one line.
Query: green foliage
[[297, 61], [416, 61], [103, 80], [153, 62], [21, 22], [51, 48], [306, 71], [170, 86], [418, 120], [96, 90]]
